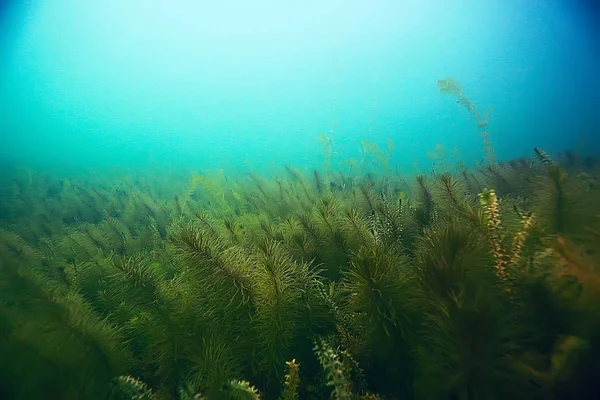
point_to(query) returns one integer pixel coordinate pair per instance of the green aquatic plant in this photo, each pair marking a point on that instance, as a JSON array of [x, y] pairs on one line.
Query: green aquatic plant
[[383, 157], [439, 157], [424, 213], [378, 285], [559, 202], [449, 86], [473, 337], [158, 285], [451, 194], [352, 164], [327, 145], [127, 387], [280, 286], [337, 374], [489, 202], [453, 87], [292, 381], [380, 289], [240, 390], [51, 332], [543, 157]]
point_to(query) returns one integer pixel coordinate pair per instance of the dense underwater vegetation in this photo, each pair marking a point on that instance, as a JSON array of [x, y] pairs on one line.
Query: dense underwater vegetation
[[184, 215], [361, 282]]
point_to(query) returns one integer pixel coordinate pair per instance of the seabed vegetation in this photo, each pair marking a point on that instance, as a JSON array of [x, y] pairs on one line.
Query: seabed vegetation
[[345, 283]]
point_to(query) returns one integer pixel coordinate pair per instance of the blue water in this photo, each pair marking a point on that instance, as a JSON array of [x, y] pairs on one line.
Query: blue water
[[237, 84]]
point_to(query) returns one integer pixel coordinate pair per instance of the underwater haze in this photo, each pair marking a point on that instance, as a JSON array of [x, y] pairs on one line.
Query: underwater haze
[[349, 200], [232, 83]]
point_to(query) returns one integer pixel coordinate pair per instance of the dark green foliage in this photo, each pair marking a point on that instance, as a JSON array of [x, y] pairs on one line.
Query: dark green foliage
[[170, 287], [561, 202], [425, 212], [474, 345], [378, 285], [51, 333]]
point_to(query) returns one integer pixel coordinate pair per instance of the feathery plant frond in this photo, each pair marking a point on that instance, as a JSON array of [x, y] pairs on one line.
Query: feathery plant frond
[[473, 349], [279, 284], [59, 333], [527, 221], [559, 202], [240, 390], [337, 375], [449, 256], [212, 364], [126, 387], [387, 221], [198, 287], [473, 339], [543, 157], [355, 228], [451, 194], [205, 258], [377, 284], [489, 202], [425, 212]]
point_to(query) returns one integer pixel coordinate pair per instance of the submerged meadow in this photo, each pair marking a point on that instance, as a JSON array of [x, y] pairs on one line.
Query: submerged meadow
[[299, 200], [351, 281]]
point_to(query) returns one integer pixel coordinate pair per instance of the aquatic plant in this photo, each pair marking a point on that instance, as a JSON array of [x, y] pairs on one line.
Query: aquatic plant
[[382, 156], [476, 283], [453, 87], [327, 145]]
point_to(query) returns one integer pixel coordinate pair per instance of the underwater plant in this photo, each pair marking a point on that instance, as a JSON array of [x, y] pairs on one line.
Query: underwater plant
[[470, 283], [453, 87]]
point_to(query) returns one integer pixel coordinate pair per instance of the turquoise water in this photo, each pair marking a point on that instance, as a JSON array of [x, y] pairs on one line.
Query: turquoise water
[[319, 199], [233, 84]]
